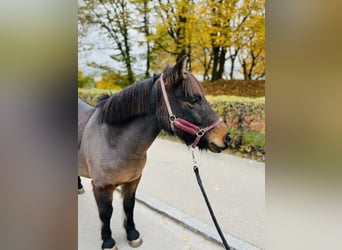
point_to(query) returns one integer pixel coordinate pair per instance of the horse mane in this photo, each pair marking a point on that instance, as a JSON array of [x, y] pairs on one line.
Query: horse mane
[[137, 99], [130, 102]]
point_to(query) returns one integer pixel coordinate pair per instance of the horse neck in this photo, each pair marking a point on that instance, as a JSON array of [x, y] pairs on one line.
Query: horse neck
[[138, 132], [136, 135]]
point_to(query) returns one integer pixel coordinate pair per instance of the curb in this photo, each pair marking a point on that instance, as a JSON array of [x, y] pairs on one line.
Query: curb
[[191, 223]]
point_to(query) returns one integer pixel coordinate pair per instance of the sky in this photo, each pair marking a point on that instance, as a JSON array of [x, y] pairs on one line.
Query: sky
[[102, 55]]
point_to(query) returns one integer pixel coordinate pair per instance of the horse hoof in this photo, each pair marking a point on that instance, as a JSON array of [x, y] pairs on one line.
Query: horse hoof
[[135, 243], [114, 248], [81, 191]]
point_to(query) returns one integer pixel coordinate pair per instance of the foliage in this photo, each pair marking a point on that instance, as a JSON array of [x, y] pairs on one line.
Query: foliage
[[84, 81], [143, 9], [248, 88], [174, 30], [91, 95], [224, 38], [112, 80], [114, 19], [212, 32], [252, 58], [245, 118]]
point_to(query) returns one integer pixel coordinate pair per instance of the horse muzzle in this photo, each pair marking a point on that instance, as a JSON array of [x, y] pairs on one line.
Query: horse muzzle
[[218, 138]]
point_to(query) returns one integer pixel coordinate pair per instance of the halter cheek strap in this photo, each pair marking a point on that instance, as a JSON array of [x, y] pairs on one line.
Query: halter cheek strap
[[182, 124]]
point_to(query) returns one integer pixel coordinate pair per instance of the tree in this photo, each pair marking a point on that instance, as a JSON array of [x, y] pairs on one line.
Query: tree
[[114, 19], [173, 33], [143, 8], [84, 81], [111, 80], [252, 52], [214, 33], [227, 19]]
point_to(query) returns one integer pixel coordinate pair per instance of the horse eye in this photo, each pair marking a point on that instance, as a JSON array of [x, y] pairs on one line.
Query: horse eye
[[192, 101]]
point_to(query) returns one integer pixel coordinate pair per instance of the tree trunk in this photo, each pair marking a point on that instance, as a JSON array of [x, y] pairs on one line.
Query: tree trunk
[[128, 62], [232, 57], [222, 61], [130, 74], [219, 60], [206, 65], [147, 33], [214, 75]]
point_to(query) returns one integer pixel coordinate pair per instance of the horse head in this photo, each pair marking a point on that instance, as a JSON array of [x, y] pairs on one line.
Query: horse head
[[184, 111]]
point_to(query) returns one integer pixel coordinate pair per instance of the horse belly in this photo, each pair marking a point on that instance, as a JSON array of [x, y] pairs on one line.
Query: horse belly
[[117, 172]]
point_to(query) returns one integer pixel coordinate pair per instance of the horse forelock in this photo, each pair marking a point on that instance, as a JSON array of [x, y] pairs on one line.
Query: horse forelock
[[126, 104], [190, 85]]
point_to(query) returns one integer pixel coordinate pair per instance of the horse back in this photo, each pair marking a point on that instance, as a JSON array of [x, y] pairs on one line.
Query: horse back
[[85, 111]]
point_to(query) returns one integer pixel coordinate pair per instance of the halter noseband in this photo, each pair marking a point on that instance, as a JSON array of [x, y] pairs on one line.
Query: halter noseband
[[182, 124]]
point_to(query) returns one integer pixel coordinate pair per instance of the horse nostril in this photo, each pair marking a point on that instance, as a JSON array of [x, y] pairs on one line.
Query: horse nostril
[[227, 139]]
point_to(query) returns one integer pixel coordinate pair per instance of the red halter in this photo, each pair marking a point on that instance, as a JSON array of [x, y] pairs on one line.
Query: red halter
[[182, 124]]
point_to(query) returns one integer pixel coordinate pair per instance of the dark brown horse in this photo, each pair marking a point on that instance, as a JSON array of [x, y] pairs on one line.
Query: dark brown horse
[[115, 135]]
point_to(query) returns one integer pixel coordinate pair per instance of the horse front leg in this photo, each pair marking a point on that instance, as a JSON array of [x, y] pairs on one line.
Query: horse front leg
[[104, 198], [128, 193]]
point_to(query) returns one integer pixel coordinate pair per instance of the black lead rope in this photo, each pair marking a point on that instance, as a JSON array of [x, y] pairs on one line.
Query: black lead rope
[[199, 181]]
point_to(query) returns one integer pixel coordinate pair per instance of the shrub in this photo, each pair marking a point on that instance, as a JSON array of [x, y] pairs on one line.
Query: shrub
[[245, 118], [91, 95], [112, 80], [247, 88], [84, 81], [104, 84]]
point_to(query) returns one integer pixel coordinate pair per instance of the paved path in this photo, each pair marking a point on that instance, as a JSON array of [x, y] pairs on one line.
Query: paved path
[[157, 231], [235, 186]]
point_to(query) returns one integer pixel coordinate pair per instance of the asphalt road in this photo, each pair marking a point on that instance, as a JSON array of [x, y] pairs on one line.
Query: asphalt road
[[235, 186]]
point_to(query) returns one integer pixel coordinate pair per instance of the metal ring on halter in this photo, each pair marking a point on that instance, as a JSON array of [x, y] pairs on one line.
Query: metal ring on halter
[[200, 133], [172, 118]]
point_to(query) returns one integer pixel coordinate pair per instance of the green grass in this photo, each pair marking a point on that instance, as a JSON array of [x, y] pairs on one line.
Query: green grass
[[96, 91], [91, 95], [229, 98]]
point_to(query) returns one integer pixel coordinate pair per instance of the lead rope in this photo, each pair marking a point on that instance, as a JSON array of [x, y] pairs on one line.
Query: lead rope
[[199, 181]]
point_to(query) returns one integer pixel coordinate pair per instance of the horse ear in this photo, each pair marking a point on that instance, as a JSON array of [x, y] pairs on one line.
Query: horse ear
[[181, 67]]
